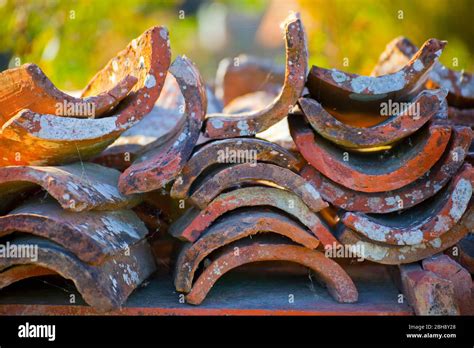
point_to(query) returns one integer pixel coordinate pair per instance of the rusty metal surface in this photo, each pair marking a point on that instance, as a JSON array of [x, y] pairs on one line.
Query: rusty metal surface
[[233, 150], [77, 187], [372, 172], [405, 197], [459, 83], [251, 123], [31, 138], [422, 223], [390, 130], [256, 174], [195, 222], [338, 282], [247, 74], [353, 96], [157, 167], [104, 286], [27, 87], [395, 254], [234, 227], [90, 235]]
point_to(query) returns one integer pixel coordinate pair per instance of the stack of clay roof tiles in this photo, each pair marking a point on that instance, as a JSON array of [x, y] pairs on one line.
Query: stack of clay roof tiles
[[70, 210], [460, 98], [401, 186], [88, 190], [249, 203]]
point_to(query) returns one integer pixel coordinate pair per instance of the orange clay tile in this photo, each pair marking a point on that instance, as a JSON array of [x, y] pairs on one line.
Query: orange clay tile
[[195, 222], [372, 172], [460, 84], [253, 122], [445, 267], [235, 150], [31, 138], [256, 174], [231, 228], [391, 129], [27, 87], [91, 235], [420, 224], [426, 292], [105, 286], [155, 168], [397, 254], [356, 100], [338, 282], [76, 187], [405, 197]]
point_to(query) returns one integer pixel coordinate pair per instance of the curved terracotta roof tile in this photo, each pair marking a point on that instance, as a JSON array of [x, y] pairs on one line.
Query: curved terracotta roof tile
[[393, 128], [231, 228], [422, 223], [405, 197], [397, 254], [148, 59], [371, 172], [194, 222], [77, 187], [104, 286], [91, 235], [155, 168], [338, 282], [251, 123], [256, 174], [460, 84], [235, 150], [349, 93], [31, 138], [27, 87]]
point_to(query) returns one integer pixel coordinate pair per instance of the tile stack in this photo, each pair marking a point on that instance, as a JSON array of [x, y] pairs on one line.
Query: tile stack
[[460, 99], [61, 215], [83, 180], [249, 204], [401, 184]]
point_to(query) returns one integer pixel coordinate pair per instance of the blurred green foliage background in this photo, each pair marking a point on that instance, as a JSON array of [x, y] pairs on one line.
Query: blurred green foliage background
[[360, 30], [71, 40]]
